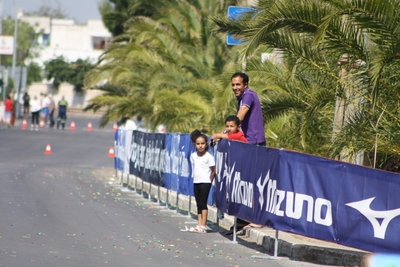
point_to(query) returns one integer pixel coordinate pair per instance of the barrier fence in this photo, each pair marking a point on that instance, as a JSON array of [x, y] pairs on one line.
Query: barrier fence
[[308, 195]]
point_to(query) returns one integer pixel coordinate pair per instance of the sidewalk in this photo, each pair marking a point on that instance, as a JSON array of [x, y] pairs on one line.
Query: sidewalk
[[306, 249], [290, 245]]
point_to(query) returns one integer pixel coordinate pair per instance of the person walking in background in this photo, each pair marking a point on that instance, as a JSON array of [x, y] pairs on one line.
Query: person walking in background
[[35, 113], [26, 98], [8, 107], [45, 109], [62, 113], [12, 120], [203, 168], [52, 108], [248, 110]]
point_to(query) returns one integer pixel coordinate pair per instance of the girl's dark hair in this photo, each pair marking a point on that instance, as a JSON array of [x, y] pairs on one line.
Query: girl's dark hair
[[196, 134]]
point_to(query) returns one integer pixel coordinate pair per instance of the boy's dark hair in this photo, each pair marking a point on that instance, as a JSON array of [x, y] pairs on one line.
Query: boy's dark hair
[[233, 118], [196, 134], [243, 75]]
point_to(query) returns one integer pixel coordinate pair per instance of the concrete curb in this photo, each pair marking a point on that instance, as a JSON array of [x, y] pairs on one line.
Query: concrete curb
[[290, 245]]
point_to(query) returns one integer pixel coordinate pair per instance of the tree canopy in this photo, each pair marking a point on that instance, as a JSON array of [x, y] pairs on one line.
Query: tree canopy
[[115, 13], [47, 10], [165, 68], [328, 79], [27, 47], [58, 70], [339, 90]]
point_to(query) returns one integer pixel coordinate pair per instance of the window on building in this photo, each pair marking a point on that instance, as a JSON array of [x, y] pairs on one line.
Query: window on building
[[45, 39], [100, 43]]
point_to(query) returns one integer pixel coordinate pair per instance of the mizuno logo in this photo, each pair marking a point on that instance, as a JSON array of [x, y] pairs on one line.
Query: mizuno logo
[[363, 207], [291, 204]]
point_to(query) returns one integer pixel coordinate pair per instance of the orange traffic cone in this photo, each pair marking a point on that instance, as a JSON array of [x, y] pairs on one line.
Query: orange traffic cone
[[72, 127], [89, 126], [115, 127], [48, 150], [24, 125], [111, 152]]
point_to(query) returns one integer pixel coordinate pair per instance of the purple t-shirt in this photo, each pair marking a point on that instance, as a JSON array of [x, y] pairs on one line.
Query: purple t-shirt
[[253, 123]]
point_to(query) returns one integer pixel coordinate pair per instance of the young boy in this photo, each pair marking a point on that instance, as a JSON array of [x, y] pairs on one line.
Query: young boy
[[232, 130]]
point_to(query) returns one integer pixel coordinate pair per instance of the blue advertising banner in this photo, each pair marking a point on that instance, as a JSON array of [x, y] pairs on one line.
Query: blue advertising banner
[[223, 168], [116, 162], [119, 150], [177, 168], [146, 146], [308, 195], [348, 204], [127, 151], [153, 145], [211, 195], [264, 168], [167, 161], [304, 194], [243, 171], [171, 165], [160, 158], [138, 152], [184, 172]]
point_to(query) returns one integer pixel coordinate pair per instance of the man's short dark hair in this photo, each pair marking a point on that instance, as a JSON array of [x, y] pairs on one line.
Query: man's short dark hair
[[243, 75], [233, 118]]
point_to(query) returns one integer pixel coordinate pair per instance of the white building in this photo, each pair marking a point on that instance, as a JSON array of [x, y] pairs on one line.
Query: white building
[[62, 37]]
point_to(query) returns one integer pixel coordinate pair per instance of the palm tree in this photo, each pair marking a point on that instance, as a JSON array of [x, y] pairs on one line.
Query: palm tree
[[171, 63], [115, 13], [312, 35]]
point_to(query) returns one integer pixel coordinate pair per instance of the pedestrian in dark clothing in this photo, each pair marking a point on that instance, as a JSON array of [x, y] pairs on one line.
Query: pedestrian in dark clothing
[[62, 113], [52, 108], [26, 98]]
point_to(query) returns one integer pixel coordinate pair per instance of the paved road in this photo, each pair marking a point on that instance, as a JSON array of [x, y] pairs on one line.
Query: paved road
[[63, 210]]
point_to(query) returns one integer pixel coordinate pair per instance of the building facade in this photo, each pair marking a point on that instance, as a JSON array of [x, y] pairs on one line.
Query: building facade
[[63, 37]]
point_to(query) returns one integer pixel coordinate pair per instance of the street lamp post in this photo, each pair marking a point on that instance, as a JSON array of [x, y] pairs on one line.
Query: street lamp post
[[15, 41], [2, 87]]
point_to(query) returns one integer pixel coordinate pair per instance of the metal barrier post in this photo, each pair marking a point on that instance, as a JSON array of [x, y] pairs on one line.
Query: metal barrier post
[[276, 246], [166, 204]]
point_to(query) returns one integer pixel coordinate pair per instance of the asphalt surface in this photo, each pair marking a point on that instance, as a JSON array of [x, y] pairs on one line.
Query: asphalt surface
[[64, 209]]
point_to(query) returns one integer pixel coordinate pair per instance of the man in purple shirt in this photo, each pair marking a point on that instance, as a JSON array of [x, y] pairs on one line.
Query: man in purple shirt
[[249, 110]]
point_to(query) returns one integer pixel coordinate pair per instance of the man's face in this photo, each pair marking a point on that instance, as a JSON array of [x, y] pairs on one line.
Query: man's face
[[238, 86]]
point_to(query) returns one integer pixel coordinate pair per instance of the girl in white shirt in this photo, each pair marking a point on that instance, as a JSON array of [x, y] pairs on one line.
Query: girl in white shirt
[[35, 110], [203, 168]]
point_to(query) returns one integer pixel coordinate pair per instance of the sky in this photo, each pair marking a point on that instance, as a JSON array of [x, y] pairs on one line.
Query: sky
[[80, 10]]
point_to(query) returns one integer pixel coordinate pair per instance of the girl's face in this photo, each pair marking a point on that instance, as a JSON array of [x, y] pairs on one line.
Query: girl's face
[[200, 144]]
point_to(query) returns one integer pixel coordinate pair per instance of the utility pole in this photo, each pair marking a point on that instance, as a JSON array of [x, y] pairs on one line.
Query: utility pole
[[3, 86], [1, 21], [15, 41]]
